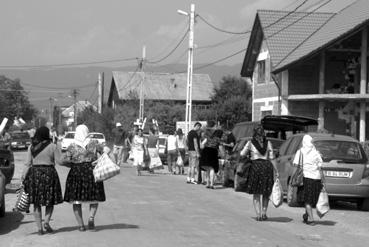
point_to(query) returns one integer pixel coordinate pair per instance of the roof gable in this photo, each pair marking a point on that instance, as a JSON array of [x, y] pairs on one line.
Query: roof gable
[[163, 86]]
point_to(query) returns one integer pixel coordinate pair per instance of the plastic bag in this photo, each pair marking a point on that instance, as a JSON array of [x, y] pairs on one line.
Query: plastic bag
[[179, 160], [23, 202], [322, 206], [105, 168], [277, 196]]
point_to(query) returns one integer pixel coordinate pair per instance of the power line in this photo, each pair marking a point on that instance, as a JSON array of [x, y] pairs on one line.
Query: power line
[[31, 90], [47, 87]]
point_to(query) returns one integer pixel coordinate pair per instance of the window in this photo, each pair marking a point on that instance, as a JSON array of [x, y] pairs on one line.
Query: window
[[261, 71], [266, 113], [295, 145]]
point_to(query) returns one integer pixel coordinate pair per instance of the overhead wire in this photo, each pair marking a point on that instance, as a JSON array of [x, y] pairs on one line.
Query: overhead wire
[[47, 87]]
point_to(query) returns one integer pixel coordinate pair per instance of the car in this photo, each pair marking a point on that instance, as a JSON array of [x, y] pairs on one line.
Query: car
[[67, 140], [96, 136], [345, 167], [20, 140], [6, 172], [162, 148]]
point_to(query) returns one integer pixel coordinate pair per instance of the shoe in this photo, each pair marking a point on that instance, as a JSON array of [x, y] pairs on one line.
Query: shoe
[[82, 229], [207, 186], [91, 224], [188, 180], [48, 229], [305, 218], [264, 217], [193, 182], [40, 232], [211, 187]]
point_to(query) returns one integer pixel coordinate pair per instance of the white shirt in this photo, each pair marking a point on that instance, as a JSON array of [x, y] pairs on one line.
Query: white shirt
[[255, 154], [311, 163], [181, 142], [172, 143]]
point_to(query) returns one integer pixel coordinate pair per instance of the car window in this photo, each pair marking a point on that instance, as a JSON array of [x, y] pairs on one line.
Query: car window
[[294, 145], [96, 136], [348, 152], [21, 135], [69, 135], [284, 146]]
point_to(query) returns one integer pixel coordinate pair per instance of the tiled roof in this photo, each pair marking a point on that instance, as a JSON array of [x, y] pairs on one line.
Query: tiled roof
[[81, 105], [338, 26], [283, 30], [163, 86]]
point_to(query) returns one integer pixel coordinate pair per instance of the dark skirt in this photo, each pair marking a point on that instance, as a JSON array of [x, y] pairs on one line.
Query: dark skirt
[[209, 158], [43, 185], [309, 192], [261, 178], [81, 186]]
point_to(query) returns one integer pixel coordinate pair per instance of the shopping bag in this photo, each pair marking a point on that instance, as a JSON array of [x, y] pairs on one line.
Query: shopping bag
[[277, 196], [322, 206], [23, 202], [297, 178], [242, 175], [105, 168], [179, 161]]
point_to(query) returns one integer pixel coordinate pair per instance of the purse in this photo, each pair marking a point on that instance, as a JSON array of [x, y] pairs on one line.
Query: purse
[[105, 168], [22, 203], [297, 178]]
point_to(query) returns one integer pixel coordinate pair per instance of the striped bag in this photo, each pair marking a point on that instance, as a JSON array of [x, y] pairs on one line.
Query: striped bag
[[105, 168], [23, 202]]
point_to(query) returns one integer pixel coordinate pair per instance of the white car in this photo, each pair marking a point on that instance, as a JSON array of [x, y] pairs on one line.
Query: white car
[[96, 136], [67, 140]]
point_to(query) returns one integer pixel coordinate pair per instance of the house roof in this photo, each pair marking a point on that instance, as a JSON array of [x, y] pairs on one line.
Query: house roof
[[81, 105], [297, 35], [163, 86]]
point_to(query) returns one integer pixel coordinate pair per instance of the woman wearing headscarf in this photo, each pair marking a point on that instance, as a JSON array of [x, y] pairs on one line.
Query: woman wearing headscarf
[[40, 178], [311, 164], [80, 185], [138, 150], [260, 179]]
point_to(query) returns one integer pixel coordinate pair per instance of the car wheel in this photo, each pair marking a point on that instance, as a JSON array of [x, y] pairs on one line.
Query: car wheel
[[363, 204], [2, 206], [292, 196]]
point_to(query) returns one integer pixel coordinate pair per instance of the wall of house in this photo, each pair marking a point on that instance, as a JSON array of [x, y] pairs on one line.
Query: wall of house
[[304, 77]]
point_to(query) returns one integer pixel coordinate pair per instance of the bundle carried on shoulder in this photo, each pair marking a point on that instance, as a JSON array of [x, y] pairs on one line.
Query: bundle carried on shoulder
[[105, 168]]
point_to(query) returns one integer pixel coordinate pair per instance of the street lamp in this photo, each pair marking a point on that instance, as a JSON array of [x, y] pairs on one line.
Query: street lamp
[[189, 66]]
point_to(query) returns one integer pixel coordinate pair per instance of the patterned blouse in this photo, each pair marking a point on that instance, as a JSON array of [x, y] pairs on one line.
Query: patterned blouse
[[76, 154]]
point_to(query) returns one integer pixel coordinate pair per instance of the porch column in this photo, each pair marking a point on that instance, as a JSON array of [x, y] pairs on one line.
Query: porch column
[[284, 93], [363, 71], [321, 91]]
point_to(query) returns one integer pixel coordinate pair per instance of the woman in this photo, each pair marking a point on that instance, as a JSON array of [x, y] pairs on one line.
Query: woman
[[80, 185], [172, 151], [138, 151], [40, 177], [153, 149], [260, 179], [311, 165], [181, 142]]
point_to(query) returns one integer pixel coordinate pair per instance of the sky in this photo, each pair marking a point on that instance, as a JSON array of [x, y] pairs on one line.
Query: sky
[[44, 32]]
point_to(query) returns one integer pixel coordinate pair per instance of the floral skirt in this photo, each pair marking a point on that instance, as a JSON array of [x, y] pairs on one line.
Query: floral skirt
[[81, 186], [309, 192], [43, 185], [261, 178]]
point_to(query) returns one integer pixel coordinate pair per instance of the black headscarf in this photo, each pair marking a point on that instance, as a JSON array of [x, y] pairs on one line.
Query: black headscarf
[[40, 140], [259, 140]]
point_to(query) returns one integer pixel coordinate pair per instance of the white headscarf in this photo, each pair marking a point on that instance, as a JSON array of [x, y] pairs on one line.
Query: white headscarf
[[308, 147], [80, 135]]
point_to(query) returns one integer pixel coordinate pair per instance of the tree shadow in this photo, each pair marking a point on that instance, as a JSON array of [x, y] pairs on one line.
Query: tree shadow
[[100, 227], [11, 221]]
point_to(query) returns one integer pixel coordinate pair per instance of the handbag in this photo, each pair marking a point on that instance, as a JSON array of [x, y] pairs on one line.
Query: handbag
[[105, 168], [322, 206], [242, 175], [297, 178], [23, 201], [277, 196]]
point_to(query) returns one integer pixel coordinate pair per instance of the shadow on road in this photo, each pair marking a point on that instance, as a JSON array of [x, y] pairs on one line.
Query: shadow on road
[[100, 228], [325, 222], [10, 222], [279, 219]]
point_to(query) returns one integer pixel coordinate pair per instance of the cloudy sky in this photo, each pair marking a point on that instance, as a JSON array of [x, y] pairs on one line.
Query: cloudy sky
[[41, 32]]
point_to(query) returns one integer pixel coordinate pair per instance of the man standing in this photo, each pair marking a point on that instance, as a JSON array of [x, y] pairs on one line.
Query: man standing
[[193, 143], [119, 142]]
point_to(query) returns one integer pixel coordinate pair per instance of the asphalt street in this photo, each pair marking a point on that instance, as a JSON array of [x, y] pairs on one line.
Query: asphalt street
[[162, 210]]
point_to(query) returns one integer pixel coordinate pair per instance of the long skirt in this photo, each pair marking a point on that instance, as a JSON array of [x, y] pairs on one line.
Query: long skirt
[[209, 159], [261, 178], [155, 161], [81, 186], [43, 185], [138, 157], [309, 192]]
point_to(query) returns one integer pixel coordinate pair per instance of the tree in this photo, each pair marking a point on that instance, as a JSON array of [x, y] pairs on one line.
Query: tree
[[14, 100]]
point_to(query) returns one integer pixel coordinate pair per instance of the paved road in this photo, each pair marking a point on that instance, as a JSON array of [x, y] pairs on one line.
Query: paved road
[[162, 210]]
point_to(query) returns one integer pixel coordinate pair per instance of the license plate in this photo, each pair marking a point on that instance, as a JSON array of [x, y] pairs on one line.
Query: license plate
[[337, 174], [21, 146]]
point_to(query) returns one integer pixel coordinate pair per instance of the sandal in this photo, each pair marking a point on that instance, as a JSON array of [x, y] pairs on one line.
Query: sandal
[[48, 228], [305, 218], [82, 229], [264, 217]]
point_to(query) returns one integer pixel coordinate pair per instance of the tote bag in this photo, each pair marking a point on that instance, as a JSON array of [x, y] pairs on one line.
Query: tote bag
[[297, 178], [322, 206], [105, 168], [277, 196], [23, 202]]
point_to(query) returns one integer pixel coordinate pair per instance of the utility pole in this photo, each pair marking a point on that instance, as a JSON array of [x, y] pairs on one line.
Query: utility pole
[[75, 94], [100, 92], [51, 110], [141, 65], [189, 67]]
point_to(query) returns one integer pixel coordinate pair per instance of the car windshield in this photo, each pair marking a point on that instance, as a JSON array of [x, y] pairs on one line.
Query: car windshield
[[20, 135], [97, 136], [342, 151], [69, 136]]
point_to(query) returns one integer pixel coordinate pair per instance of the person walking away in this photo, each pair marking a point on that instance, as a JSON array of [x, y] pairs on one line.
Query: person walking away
[[129, 140], [54, 135], [80, 187], [119, 143], [312, 185], [40, 178], [181, 141], [229, 142], [153, 149], [172, 152], [193, 145], [138, 150], [209, 161], [260, 179]]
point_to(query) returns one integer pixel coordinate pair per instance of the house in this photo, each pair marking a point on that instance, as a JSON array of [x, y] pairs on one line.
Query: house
[[312, 64], [67, 114], [160, 87]]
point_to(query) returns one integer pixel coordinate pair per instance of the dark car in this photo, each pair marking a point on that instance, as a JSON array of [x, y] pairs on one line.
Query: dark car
[[20, 140], [345, 166], [6, 173]]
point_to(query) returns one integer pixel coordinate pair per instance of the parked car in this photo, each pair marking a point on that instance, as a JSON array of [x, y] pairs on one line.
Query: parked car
[[96, 136], [6, 173], [20, 140], [345, 166], [67, 140]]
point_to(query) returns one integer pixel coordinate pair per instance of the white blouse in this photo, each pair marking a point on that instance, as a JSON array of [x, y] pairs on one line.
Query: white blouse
[[311, 164], [255, 154]]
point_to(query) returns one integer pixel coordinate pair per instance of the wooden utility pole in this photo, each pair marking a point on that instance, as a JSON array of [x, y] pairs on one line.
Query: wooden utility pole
[[75, 94], [100, 92], [141, 65]]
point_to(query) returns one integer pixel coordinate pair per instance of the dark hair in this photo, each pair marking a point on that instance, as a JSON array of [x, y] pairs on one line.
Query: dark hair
[[197, 124], [218, 133], [179, 131]]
